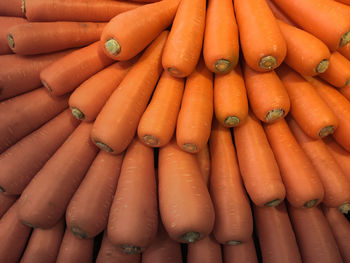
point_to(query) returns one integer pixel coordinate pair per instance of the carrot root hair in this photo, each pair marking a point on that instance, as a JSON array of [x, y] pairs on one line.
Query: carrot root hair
[[311, 203], [78, 114], [344, 208], [274, 114], [325, 131], [322, 66], [233, 243], [190, 237], [78, 232], [267, 62], [113, 46], [232, 121], [10, 41], [150, 140], [223, 65], [104, 147], [272, 203], [345, 39], [130, 249]]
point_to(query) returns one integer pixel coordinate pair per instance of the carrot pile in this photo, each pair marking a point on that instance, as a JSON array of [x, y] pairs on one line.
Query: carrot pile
[[175, 131]]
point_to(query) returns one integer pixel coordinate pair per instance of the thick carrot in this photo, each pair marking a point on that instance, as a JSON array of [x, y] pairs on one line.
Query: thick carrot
[[314, 235], [196, 112], [20, 163], [88, 99], [336, 185], [267, 95], [303, 186], [327, 20], [6, 23], [308, 109], [75, 10], [157, 124], [116, 124], [44, 200], [189, 216], [184, 45], [233, 217], [262, 42], [12, 8], [152, 19], [46, 37], [65, 74], [23, 114], [256, 157], [221, 44], [6, 201], [245, 252], [230, 98], [277, 12], [204, 162], [88, 210], [44, 244], [207, 250]]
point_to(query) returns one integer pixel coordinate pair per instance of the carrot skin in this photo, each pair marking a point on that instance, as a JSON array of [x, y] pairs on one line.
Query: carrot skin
[[6, 201], [12, 8], [278, 13], [245, 252], [6, 23], [207, 250], [204, 162]]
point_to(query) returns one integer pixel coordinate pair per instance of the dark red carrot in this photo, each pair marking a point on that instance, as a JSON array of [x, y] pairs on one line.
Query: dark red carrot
[[207, 250], [12, 8], [6, 23], [245, 252], [6, 201]]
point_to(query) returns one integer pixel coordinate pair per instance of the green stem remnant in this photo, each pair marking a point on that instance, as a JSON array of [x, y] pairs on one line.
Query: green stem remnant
[[113, 47], [10, 41], [150, 140], [190, 237], [344, 39], [311, 203], [231, 121], [268, 62], [78, 114], [233, 243], [130, 249], [325, 131], [273, 203], [274, 114], [322, 66], [104, 147], [78, 232], [223, 65], [189, 147], [344, 208]]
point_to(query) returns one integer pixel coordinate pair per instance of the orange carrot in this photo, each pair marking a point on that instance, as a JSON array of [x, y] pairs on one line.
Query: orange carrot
[[6, 23], [267, 95], [157, 124], [346, 92], [44, 200], [347, 2], [256, 157], [6, 201], [245, 252], [345, 51], [184, 45], [233, 217], [23, 114], [277, 12], [189, 216], [196, 112], [88, 210], [308, 109], [230, 98], [11, 8], [204, 162], [65, 74], [262, 42], [20, 163], [221, 44], [207, 250]]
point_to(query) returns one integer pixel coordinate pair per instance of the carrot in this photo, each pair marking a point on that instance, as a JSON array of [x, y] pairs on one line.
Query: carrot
[[277, 12], [347, 2], [336, 184], [116, 124], [75, 10], [196, 112], [12, 8], [233, 217], [256, 157], [133, 218], [327, 20], [157, 124], [183, 47], [23, 114], [308, 109], [189, 216], [20, 163], [221, 44], [230, 98], [314, 235], [262, 42], [152, 19], [88, 99], [87, 212], [204, 162], [346, 92], [44, 200], [45, 37], [6, 23], [267, 95], [65, 74], [245, 252], [207, 250], [74, 249], [44, 244], [20, 74], [6, 201], [345, 51]]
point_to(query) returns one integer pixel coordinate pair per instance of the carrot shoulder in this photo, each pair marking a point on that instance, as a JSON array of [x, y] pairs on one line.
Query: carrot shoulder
[[6, 23]]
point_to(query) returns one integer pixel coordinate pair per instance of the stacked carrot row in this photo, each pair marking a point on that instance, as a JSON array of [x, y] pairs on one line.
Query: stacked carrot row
[[87, 94]]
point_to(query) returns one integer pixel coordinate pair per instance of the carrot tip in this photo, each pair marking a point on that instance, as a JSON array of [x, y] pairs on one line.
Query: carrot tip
[[46, 85], [150, 140], [268, 62], [344, 39], [231, 121], [78, 114], [189, 147], [190, 237], [130, 249], [273, 203], [274, 114], [104, 147], [112, 46], [23, 7], [311, 203], [344, 208], [233, 243], [78, 232], [322, 66], [325, 131], [2, 189], [10, 41], [175, 72], [223, 65]]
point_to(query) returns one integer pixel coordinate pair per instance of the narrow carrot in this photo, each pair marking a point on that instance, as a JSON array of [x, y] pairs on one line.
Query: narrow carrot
[[196, 112], [157, 124], [308, 109], [74, 249], [45, 37], [245, 252], [20, 163], [230, 98], [44, 200], [204, 162], [233, 217], [262, 42], [44, 244], [267, 95], [23, 114], [256, 157], [278, 13], [190, 216], [88, 210], [88, 99], [327, 20], [75, 10], [206, 250], [6, 23], [65, 74], [116, 124], [6, 201], [152, 19], [183, 47], [336, 185], [12, 8], [221, 44], [314, 235]]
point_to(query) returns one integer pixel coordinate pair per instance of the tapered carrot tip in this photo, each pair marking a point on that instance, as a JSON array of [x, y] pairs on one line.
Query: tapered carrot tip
[[130, 249], [326, 131], [344, 208], [175, 72], [112, 46], [345, 39], [189, 147], [233, 243], [274, 114], [2, 189], [78, 114], [311, 203], [232, 121], [273, 203], [322, 66], [104, 147], [10, 41], [46, 85], [78, 232], [190, 237], [223, 65], [268, 62], [150, 140]]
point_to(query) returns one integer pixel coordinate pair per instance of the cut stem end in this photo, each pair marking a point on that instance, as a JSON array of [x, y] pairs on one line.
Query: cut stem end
[[190, 237], [273, 203], [274, 114], [78, 114], [344, 39], [130, 249], [344, 208], [112, 46], [231, 121], [268, 62], [10, 41], [175, 72], [322, 66], [78, 232], [326, 131], [189, 147], [223, 65], [104, 147], [46, 85], [233, 243], [23, 7], [311, 203], [150, 140]]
